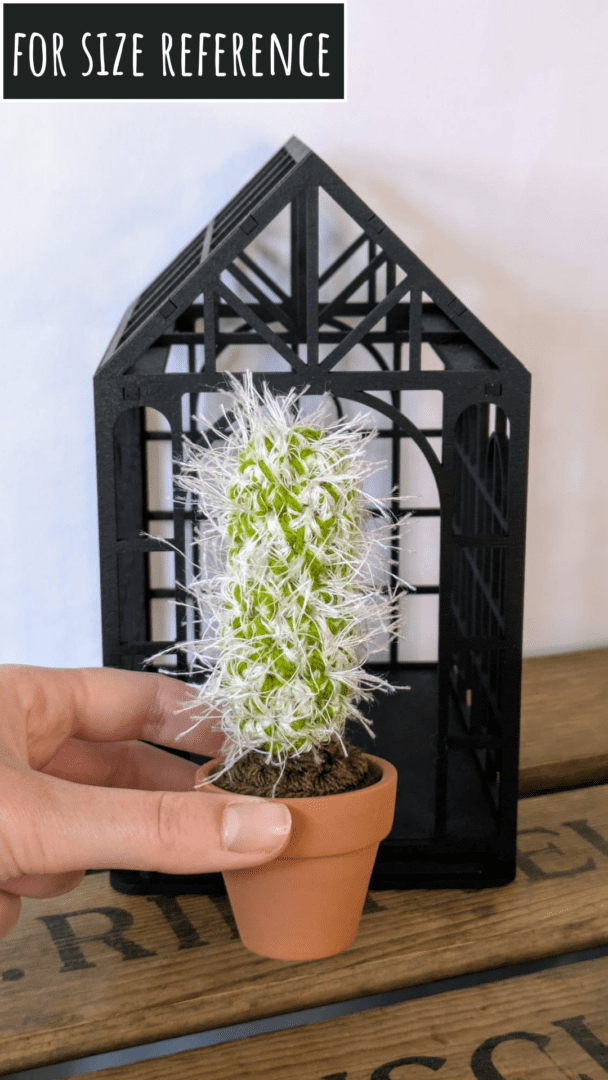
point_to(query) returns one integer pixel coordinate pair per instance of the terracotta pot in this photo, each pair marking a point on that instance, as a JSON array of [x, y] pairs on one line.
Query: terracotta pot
[[307, 902]]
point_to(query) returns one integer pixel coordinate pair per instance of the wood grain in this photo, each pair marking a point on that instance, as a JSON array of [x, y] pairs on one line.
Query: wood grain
[[510, 1026], [163, 975], [564, 721]]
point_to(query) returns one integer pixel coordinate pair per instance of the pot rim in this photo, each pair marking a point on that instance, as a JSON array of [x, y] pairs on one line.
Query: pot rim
[[328, 825]]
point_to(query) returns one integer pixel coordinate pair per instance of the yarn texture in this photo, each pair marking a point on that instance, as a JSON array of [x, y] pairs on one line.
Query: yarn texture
[[286, 593], [332, 769]]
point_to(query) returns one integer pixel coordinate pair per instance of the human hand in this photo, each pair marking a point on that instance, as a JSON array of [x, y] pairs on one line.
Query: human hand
[[79, 792]]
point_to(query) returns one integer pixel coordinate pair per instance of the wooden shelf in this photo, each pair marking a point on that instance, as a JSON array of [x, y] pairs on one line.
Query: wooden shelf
[[87, 988], [554, 1023], [564, 721]]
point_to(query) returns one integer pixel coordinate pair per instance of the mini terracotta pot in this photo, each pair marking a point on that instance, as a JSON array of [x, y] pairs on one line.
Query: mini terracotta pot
[[307, 903]]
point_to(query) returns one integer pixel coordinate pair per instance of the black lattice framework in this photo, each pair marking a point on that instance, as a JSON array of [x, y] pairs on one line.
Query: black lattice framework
[[456, 818]]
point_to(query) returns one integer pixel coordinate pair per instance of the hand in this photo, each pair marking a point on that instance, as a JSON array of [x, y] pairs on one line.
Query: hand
[[79, 792]]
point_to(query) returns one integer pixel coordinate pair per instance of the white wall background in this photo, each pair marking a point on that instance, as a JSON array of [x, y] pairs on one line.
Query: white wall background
[[476, 128]]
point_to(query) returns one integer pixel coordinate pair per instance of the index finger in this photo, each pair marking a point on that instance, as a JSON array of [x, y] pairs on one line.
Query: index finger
[[116, 705], [108, 704]]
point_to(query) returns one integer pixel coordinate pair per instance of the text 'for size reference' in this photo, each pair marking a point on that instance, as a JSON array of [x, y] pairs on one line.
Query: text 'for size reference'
[[161, 51]]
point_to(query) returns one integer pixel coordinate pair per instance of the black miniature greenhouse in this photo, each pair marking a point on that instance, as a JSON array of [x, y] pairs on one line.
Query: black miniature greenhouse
[[297, 280]]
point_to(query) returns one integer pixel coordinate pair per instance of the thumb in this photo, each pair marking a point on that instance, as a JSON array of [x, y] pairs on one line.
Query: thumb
[[62, 826]]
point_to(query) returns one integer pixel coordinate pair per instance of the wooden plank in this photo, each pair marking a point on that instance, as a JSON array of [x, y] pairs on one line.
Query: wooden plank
[[96, 970], [541, 1027], [564, 722]]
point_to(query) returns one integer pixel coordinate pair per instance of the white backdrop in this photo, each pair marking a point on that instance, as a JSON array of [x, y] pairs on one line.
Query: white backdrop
[[476, 128]]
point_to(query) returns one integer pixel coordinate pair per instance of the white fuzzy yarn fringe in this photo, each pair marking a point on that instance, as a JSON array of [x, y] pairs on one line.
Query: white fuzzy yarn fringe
[[286, 591]]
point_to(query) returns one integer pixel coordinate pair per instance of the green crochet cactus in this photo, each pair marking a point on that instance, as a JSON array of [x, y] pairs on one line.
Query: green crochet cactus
[[285, 593], [289, 564]]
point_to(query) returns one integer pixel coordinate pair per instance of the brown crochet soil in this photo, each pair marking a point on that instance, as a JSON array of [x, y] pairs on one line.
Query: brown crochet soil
[[332, 774]]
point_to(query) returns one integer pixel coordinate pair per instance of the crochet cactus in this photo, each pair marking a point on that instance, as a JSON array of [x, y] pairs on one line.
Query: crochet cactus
[[285, 592]]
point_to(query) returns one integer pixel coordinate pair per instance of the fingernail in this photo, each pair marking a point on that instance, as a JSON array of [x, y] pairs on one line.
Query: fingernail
[[255, 828]]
